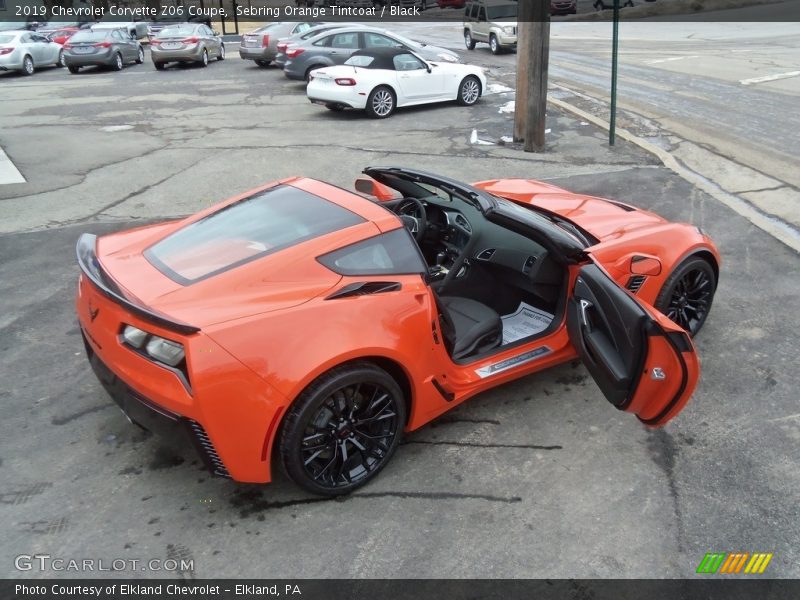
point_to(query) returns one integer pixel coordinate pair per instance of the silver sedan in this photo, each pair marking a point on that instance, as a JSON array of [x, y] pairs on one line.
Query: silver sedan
[[25, 51], [187, 42]]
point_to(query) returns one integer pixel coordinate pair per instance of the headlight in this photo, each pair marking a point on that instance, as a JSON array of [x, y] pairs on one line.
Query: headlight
[[508, 29], [134, 336], [165, 351], [447, 57]]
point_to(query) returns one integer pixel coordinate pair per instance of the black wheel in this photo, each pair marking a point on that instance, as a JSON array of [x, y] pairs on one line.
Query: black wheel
[[140, 56], [380, 102], [469, 91], [27, 66], [159, 66], [262, 63], [73, 69], [221, 54], [62, 62], [310, 70], [335, 107], [688, 293], [343, 429], [468, 41], [117, 64], [494, 44]]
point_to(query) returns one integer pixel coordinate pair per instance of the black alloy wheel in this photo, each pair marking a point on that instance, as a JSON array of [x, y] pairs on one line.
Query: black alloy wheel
[[688, 293], [343, 429]]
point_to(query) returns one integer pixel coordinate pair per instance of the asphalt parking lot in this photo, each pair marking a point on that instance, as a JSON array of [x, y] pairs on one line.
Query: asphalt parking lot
[[539, 478]]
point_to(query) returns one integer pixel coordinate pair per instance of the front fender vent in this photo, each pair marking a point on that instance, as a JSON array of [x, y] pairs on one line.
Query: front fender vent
[[635, 283]]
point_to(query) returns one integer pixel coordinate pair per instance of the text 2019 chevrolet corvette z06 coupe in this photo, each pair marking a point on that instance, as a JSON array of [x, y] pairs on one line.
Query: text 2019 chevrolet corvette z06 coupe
[[379, 80], [316, 325]]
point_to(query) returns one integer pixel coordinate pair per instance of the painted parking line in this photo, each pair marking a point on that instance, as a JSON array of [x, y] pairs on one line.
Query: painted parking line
[[766, 78], [8, 172], [663, 60]]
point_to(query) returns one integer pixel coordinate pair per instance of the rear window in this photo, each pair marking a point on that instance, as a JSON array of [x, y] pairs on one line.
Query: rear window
[[5, 39], [176, 30], [246, 230], [88, 36]]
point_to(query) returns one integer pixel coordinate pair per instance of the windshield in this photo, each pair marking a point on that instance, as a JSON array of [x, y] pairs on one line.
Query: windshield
[[504, 11], [270, 221]]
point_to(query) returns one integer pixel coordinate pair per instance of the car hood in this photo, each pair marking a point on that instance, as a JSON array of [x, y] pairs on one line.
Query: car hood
[[604, 219], [276, 282]]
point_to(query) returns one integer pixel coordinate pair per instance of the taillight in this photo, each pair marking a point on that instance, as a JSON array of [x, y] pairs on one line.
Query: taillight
[[6, 51], [345, 81], [67, 46], [190, 40], [282, 46], [265, 41], [103, 45], [294, 52]]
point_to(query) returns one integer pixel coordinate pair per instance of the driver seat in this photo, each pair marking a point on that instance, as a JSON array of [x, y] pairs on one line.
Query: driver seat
[[468, 326]]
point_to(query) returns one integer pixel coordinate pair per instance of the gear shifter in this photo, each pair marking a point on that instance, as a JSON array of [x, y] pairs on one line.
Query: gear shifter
[[440, 258]]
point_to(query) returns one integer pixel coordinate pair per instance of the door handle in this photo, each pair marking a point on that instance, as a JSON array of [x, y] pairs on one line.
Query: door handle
[[585, 305]]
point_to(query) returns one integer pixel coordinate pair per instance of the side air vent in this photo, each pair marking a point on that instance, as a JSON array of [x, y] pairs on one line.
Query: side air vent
[[363, 288], [462, 222], [207, 450], [485, 255], [635, 282], [624, 207]]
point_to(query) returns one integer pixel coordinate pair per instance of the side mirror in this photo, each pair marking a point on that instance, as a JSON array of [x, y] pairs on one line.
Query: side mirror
[[370, 187], [428, 67], [215, 32], [645, 265]]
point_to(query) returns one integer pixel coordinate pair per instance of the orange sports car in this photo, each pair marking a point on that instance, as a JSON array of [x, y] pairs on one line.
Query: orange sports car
[[315, 325]]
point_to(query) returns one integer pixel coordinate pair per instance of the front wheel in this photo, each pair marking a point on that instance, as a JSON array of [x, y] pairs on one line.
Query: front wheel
[[159, 66], [263, 63], [494, 45], [343, 429], [688, 293], [221, 55], [380, 103], [468, 41], [469, 91]]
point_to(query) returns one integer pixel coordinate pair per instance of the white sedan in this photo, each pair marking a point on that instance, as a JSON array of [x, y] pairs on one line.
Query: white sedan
[[379, 80]]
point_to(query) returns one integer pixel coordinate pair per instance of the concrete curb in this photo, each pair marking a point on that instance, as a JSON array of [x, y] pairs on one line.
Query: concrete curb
[[774, 226]]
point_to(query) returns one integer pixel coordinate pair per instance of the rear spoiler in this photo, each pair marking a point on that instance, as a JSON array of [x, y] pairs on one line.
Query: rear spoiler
[[91, 267]]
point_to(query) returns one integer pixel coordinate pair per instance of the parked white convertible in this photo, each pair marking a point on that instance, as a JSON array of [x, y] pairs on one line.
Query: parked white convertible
[[379, 80]]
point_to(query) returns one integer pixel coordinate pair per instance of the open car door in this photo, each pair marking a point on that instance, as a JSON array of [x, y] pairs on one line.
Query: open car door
[[643, 362]]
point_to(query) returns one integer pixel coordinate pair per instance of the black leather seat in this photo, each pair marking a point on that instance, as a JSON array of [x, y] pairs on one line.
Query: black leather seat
[[469, 326]]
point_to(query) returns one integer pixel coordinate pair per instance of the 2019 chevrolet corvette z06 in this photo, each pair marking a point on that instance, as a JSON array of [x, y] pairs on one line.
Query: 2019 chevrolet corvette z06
[[315, 325]]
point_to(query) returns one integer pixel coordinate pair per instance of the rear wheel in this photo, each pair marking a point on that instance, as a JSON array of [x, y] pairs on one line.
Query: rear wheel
[[140, 56], [469, 91], [380, 103], [262, 63], [117, 64], [27, 66], [468, 41], [335, 107], [159, 66], [221, 54], [204, 58], [62, 62], [310, 70], [688, 293], [343, 429], [73, 69]]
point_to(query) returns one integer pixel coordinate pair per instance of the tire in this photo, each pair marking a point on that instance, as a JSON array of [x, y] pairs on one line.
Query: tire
[[263, 63], [688, 293], [469, 90], [221, 54], [73, 69], [494, 45], [335, 107], [159, 66], [381, 102], [343, 429], [204, 58], [62, 62], [311, 68], [118, 62], [28, 68], [468, 41], [140, 56]]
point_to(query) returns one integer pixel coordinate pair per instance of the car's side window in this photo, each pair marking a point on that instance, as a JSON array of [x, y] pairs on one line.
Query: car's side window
[[345, 40], [116, 35], [481, 13], [393, 253], [373, 40], [407, 62], [326, 41], [302, 27]]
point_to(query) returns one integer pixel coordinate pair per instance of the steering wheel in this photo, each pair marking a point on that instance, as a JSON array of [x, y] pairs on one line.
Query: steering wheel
[[415, 220], [457, 265]]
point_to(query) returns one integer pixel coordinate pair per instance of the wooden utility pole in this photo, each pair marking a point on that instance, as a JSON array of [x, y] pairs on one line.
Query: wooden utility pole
[[533, 54]]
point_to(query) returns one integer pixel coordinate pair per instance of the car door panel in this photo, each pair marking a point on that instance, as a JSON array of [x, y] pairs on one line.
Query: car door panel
[[638, 359]]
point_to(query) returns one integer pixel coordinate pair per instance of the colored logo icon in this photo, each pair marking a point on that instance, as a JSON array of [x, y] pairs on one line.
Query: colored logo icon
[[734, 563]]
